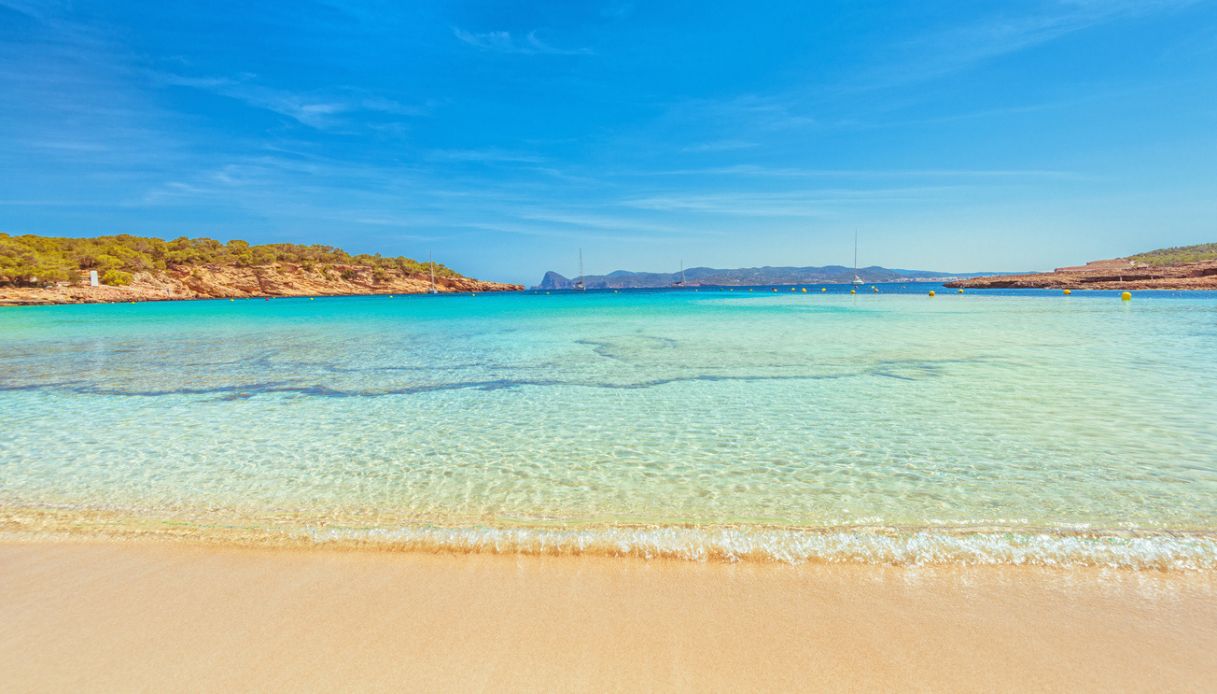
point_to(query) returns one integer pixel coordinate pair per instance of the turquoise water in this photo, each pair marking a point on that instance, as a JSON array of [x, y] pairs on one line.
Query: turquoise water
[[1016, 427]]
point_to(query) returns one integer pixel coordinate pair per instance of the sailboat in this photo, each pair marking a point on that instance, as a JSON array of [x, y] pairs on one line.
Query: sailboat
[[680, 282], [579, 286], [857, 280], [431, 263]]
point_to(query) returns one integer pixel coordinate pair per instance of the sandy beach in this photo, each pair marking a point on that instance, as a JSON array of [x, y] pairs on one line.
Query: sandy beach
[[98, 616]]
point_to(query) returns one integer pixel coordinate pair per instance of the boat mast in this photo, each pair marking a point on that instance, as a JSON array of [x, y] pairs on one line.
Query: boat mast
[[579, 282], [431, 263], [857, 279], [682, 272]]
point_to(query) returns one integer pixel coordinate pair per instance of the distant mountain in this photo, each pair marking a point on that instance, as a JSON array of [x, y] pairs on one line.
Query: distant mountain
[[750, 276]]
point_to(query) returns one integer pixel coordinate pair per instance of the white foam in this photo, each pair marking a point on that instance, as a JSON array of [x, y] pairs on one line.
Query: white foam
[[872, 546]]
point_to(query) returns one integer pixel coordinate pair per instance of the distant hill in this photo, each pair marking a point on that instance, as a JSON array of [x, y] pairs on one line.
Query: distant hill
[[1185, 267], [751, 276], [1178, 255]]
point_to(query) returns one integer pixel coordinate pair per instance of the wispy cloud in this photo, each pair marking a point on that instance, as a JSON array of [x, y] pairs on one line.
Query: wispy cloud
[[505, 42], [755, 111], [320, 111], [490, 154], [727, 145], [618, 10], [69, 96], [934, 53], [729, 124], [561, 232], [754, 170], [962, 46], [797, 203], [36, 9], [610, 222]]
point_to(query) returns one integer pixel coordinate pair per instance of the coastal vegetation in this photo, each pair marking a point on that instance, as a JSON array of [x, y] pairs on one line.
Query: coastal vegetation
[[1184, 267], [35, 261], [1178, 255]]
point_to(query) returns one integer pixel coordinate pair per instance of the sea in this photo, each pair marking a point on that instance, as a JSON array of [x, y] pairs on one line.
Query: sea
[[771, 424]]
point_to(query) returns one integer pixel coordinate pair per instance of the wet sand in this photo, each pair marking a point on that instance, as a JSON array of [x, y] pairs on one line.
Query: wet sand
[[96, 616]]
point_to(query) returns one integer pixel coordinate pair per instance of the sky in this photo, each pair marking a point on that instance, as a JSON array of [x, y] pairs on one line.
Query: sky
[[506, 136]]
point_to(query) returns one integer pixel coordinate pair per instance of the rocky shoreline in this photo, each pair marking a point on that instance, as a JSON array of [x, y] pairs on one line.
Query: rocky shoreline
[[180, 283], [1119, 273]]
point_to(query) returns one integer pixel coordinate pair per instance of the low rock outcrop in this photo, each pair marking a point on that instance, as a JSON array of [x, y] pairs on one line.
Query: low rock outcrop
[[1119, 273]]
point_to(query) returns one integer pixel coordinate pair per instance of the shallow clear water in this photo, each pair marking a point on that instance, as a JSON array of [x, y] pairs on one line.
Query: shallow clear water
[[1017, 427]]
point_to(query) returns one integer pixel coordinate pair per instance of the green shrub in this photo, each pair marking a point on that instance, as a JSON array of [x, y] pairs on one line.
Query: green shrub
[[30, 260], [116, 278], [1179, 255]]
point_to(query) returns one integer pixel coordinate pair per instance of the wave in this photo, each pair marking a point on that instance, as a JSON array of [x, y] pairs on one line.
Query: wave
[[1159, 551], [936, 545]]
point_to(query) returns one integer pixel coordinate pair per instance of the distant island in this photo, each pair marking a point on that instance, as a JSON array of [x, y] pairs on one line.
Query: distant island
[[52, 270], [743, 277], [1183, 267]]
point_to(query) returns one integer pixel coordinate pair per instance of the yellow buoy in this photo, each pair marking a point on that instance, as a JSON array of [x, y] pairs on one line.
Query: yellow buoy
[[1068, 292], [933, 293], [875, 289], [311, 298], [804, 290], [232, 299], [1126, 296], [853, 291], [132, 302], [959, 291], [823, 289]]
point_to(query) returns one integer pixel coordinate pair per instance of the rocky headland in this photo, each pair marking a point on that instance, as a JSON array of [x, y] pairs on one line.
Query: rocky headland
[[59, 270], [204, 282], [1118, 273]]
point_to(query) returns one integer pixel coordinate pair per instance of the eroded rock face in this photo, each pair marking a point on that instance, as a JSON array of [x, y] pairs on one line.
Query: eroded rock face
[[553, 280], [1106, 274], [214, 282]]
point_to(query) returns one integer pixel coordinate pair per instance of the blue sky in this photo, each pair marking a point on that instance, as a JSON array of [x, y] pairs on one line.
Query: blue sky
[[952, 136]]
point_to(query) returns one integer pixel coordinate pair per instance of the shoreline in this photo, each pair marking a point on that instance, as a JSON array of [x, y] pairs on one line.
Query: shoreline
[[10, 301], [104, 616], [943, 546]]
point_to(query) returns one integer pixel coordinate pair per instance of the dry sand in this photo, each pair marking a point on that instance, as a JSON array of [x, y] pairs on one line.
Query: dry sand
[[164, 617]]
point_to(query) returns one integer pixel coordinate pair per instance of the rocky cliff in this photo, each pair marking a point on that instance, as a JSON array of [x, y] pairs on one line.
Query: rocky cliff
[[215, 282]]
